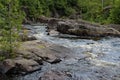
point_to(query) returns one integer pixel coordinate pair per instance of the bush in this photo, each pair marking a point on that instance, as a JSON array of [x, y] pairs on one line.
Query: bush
[[115, 13]]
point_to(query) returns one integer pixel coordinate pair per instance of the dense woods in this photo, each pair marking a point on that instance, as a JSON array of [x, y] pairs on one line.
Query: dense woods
[[101, 11], [13, 13]]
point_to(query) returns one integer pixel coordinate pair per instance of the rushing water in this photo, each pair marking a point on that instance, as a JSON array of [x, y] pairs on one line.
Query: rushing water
[[102, 62]]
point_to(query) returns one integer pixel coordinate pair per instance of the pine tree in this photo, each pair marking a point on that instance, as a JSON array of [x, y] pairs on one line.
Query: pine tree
[[10, 22]]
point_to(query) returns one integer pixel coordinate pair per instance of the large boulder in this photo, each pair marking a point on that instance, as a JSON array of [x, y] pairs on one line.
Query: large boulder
[[81, 28], [43, 19], [6, 65], [49, 52], [19, 66], [27, 65], [85, 29]]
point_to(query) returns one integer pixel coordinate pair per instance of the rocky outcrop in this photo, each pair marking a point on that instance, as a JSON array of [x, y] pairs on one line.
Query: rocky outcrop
[[46, 51], [84, 29], [19, 66], [51, 22], [81, 28], [31, 56]]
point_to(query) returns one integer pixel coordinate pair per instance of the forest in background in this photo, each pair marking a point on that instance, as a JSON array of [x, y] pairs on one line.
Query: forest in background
[[100, 11], [13, 13]]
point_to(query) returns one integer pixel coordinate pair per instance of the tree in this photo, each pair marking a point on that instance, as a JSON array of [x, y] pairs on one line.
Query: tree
[[10, 24], [32, 8], [115, 13]]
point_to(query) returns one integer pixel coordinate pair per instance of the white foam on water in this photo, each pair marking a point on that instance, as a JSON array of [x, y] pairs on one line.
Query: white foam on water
[[109, 48]]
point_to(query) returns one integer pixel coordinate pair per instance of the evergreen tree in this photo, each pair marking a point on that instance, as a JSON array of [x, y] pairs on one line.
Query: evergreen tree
[[10, 24]]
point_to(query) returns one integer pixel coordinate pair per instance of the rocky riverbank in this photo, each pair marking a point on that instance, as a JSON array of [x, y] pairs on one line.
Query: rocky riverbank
[[32, 54], [81, 28]]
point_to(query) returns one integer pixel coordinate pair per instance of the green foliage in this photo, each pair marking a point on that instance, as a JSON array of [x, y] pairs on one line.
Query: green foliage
[[34, 9], [91, 10], [31, 7], [115, 13], [10, 24]]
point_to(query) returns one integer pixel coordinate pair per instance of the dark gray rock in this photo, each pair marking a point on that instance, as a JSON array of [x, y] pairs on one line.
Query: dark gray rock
[[19, 66], [6, 65], [85, 29], [81, 28]]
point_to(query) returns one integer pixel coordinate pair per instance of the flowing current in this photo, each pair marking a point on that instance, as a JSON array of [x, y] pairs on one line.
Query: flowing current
[[95, 60]]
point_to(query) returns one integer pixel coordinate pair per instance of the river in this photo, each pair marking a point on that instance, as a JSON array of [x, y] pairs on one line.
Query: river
[[102, 60]]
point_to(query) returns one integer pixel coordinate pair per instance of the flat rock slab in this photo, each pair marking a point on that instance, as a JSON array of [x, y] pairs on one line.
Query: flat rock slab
[[32, 54], [46, 51]]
